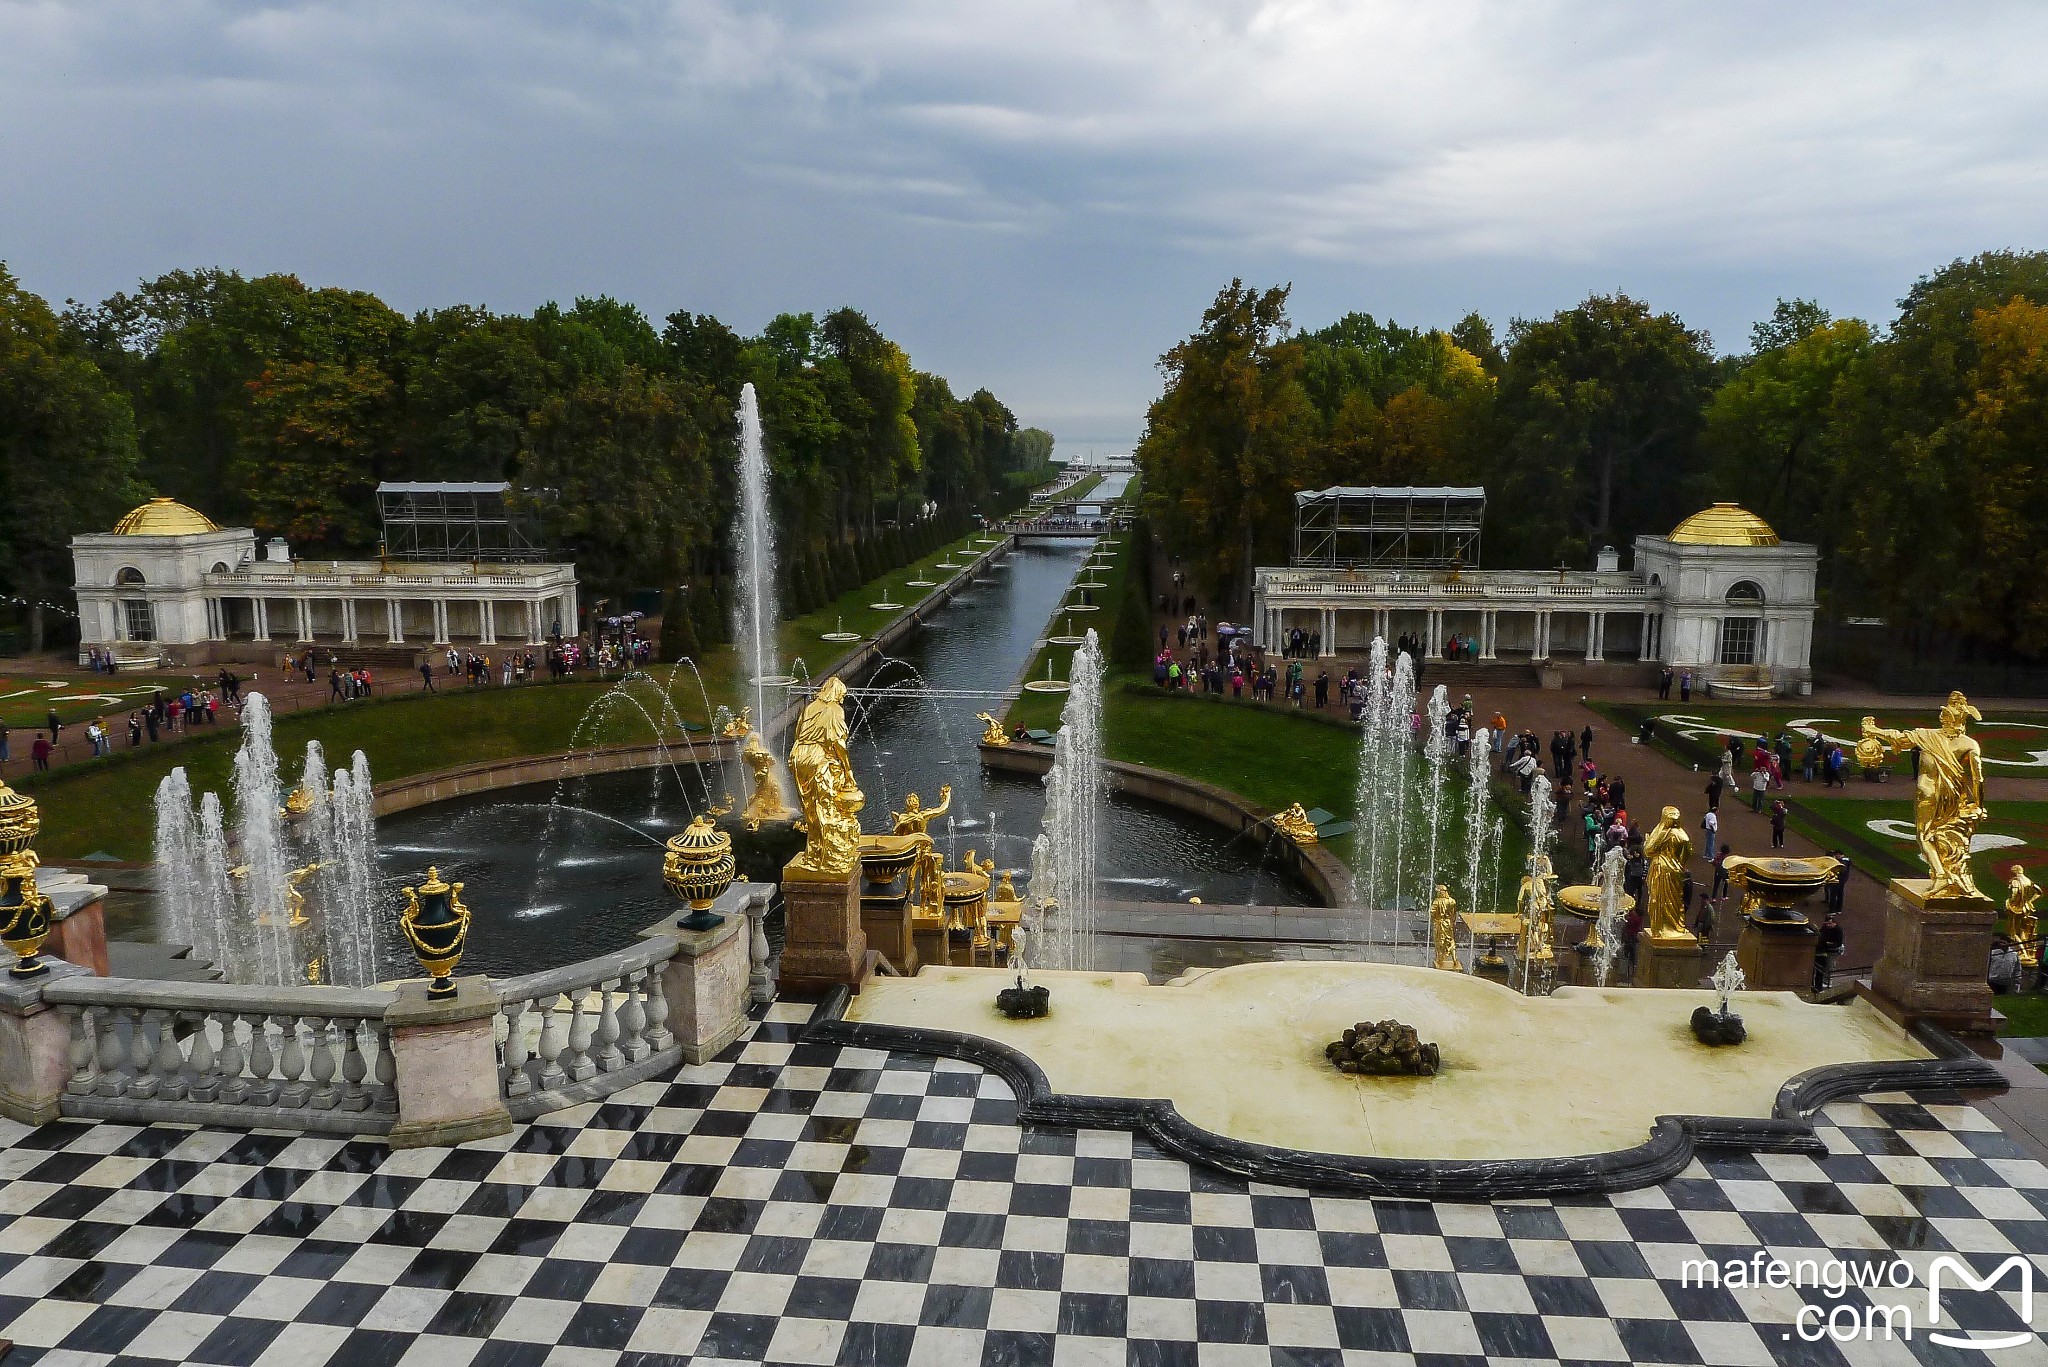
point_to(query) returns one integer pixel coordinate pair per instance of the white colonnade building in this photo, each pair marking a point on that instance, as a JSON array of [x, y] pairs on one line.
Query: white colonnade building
[[1721, 596], [167, 577]]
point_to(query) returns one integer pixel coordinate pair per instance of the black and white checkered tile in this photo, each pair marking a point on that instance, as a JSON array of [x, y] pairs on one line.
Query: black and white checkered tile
[[806, 1204]]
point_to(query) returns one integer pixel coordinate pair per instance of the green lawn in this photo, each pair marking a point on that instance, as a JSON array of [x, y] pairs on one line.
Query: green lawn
[[2015, 743], [26, 699], [1261, 753], [2026, 1013], [2015, 832]]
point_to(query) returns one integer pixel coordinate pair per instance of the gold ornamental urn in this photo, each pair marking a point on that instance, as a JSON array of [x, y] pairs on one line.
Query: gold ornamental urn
[[436, 925], [24, 912], [698, 868]]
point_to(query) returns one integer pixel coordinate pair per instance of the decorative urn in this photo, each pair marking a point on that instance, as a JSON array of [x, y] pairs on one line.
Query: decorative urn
[[24, 912], [698, 868], [436, 925]]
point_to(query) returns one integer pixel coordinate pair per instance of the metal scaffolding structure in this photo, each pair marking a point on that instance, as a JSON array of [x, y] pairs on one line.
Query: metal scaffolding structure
[[1433, 527], [455, 522]]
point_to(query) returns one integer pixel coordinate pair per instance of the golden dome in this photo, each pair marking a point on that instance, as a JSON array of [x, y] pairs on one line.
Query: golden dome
[[164, 517], [1725, 524]]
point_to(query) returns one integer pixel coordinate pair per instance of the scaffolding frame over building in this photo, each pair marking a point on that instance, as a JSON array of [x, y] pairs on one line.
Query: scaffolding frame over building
[[1411, 527], [447, 522]]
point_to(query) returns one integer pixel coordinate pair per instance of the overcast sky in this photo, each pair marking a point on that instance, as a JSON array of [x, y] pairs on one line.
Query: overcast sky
[[1035, 197]]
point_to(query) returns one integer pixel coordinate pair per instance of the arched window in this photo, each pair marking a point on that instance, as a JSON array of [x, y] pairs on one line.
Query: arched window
[[1742, 634], [219, 567], [130, 575]]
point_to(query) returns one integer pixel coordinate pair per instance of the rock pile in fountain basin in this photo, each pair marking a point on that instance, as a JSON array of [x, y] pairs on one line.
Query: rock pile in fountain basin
[[1383, 1048]]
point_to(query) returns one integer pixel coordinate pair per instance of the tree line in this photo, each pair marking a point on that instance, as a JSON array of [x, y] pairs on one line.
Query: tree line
[[265, 402], [1915, 455]]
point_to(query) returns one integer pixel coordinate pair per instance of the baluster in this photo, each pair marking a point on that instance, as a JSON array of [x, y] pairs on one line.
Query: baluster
[[170, 1059], [262, 1089], [354, 1068], [84, 1051], [514, 1077], [202, 1083], [554, 1038], [760, 983], [325, 1093], [142, 1032], [658, 1036], [113, 1057], [233, 1058], [633, 1017], [609, 1059], [387, 1069], [293, 1061], [582, 1027]]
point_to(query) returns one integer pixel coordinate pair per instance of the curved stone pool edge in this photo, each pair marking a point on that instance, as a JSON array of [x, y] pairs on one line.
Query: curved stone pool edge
[[1673, 1142]]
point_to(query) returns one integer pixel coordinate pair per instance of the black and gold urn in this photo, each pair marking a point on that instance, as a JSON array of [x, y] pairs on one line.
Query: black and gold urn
[[24, 912], [436, 925], [698, 868]]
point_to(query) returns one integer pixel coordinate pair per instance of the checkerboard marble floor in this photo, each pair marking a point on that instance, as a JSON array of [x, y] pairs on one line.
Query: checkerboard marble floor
[[809, 1204]]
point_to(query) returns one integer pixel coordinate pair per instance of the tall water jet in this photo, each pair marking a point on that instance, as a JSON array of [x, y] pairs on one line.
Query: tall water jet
[[1478, 781], [1386, 750], [1542, 815], [259, 840], [1074, 792], [755, 613], [1436, 754], [1613, 870], [190, 916], [348, 902]]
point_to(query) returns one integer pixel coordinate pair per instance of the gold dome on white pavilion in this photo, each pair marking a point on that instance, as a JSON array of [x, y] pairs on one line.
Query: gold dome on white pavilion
[[164, 517], [1725, 524]]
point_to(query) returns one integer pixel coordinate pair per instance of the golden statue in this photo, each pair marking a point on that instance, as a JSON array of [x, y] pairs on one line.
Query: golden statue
[[825, 785], [740, 726], [1295, 825], [992, 733], [915, 816], [1443, 930], [1948, 799], [1006, 890], [1667, 848], [294, 894], [766, 802], [1537, 901], [2020, 921]]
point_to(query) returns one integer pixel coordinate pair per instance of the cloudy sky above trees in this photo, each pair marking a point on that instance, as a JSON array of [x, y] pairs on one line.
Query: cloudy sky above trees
[[1038, 197]]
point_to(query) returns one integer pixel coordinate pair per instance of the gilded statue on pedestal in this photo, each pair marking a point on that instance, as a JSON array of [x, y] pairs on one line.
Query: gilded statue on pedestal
[[1443, 930], [1948, 798], [825, 785], [931, 865], [1667, 848], [2020, 921], [992, 732], [1537, 901]]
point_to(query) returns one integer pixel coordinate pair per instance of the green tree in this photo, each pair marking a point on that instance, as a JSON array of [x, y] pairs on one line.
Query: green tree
[[1225, 444], [1598, 414], [68, 457]]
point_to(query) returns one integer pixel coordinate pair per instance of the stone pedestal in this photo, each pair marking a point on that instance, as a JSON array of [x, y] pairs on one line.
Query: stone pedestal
[[885, 915], [706, 983], [446, 1054], [1677, 962], [1936, 956], [35, 1045], [78, 929], [1776, 955], [824, 944]]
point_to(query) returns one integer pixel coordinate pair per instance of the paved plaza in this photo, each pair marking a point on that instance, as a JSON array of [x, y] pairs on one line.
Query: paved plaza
[[799, 1203]]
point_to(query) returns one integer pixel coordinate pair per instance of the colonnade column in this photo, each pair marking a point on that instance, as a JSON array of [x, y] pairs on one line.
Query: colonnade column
[[305, 607], [1433, 635], [1329, 632], [259, 619], [1595, 621], [440, 621], [348, 619], [487, 619], [1540, 650], [533, 621], [394, 622], [1489, 629]]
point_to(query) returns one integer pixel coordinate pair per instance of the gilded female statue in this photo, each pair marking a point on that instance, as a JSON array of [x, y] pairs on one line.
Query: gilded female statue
[[823, 771], [2020, 921], [1948, 798], [1667, 848]]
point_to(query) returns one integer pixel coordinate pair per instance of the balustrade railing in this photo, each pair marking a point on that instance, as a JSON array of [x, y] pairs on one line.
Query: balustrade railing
[[585, 1030], [315, 1059]]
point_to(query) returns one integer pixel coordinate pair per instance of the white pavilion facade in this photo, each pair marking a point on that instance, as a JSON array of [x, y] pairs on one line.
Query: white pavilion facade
[[168, 576], [1722, 595]]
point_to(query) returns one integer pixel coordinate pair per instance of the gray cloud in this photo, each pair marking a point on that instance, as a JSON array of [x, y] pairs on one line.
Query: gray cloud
[[1037, 197]]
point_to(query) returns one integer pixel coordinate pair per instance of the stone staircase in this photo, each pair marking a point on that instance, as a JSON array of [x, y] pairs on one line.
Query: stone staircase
[[1470, 674]]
